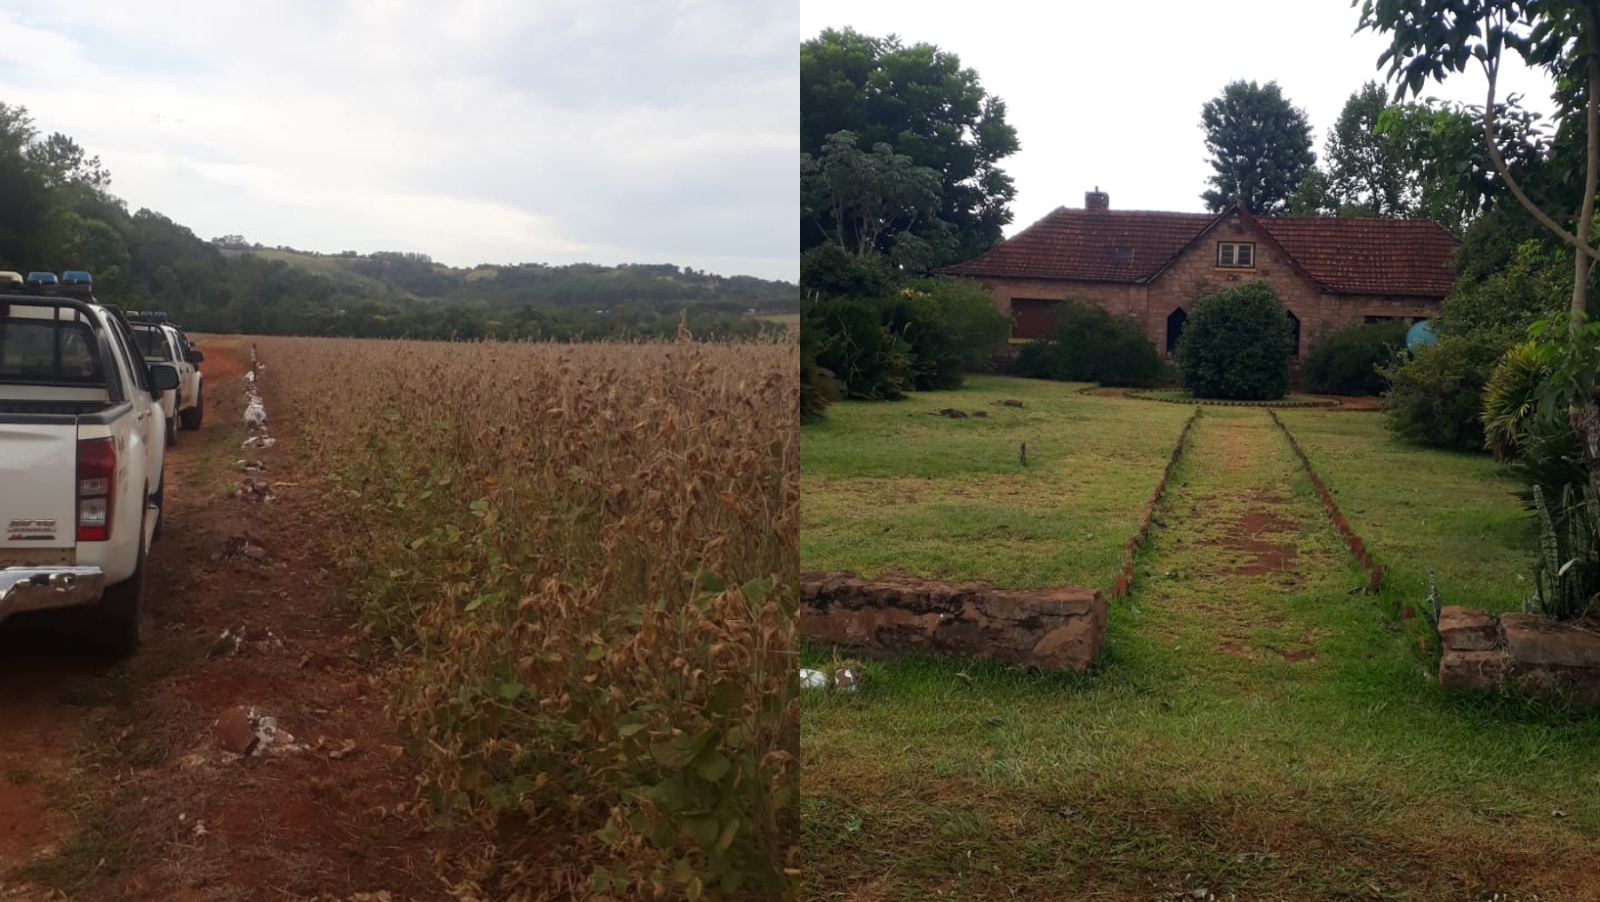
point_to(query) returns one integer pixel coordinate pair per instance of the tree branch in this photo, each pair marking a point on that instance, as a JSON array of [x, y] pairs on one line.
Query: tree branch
[[1491, 67]]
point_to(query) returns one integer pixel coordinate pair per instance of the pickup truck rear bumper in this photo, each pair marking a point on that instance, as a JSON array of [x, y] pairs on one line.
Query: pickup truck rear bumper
[[42, 588]]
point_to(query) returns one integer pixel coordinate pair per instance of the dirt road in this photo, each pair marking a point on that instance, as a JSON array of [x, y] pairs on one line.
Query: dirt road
[[112, 785]]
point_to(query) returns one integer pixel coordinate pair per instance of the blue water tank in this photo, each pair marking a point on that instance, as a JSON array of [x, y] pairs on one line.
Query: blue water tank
[[1420, 334]]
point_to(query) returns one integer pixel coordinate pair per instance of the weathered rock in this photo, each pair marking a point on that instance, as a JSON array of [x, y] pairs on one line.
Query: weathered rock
[[1471, 670], [1529, 653], [236, 731], [1051, 629], [1536, 641], [1550, 658], [1467, 629]]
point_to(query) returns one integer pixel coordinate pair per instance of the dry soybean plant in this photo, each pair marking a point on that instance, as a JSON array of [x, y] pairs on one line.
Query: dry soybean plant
[[585, 559]]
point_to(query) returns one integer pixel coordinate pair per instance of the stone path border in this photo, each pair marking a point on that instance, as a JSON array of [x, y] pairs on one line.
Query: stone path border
[[1146, 396], [1124, 581], [1357, 547]]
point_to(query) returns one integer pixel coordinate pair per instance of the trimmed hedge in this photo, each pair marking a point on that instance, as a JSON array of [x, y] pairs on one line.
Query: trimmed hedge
[[1236, 345], [1348, 362], [1091, 345]]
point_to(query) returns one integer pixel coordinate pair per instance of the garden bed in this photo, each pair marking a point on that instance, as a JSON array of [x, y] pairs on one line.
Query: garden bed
[[1183, 397]]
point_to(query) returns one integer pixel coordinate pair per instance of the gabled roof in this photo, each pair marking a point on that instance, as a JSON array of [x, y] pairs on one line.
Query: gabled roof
[[1369, 256], [1342, 255], [1082, 245]]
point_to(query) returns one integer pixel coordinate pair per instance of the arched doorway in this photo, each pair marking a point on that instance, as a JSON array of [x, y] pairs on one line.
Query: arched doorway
[[1294, 321], [1175, 322]]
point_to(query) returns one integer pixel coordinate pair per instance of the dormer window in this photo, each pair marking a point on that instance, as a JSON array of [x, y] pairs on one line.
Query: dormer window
[[1235, 255]]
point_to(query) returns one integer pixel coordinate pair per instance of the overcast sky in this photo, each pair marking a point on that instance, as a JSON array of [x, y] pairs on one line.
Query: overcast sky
[[559, 131], [1109, 94]]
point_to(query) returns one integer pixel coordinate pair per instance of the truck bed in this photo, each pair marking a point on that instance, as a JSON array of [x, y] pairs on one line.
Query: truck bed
[[53, 407]]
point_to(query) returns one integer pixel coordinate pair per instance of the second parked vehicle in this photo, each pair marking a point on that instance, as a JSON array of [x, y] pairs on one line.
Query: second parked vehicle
[[162, 342]]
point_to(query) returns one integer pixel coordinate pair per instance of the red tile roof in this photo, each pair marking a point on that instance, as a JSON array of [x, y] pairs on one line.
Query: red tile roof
[[1369, 256], [1345, 256], [1081, 245]]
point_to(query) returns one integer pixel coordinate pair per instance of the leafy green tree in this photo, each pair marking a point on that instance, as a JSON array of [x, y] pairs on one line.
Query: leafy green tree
[[921, 102], [1236, 345], [1430, 39], [1366, 173], [1313, 196], [62, 162], [1441, 146], [1433, 38], [865, 195], [1260, 147]]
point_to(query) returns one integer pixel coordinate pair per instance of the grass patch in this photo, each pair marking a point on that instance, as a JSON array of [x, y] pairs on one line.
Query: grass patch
[[1252, 729], [1417, 508], [891, 486]]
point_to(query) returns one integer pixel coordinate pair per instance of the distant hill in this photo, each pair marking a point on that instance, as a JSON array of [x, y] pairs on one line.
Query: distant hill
[[580, 285], [57, 213]]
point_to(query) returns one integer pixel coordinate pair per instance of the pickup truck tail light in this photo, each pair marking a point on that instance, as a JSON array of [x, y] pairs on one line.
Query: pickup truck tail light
[[97, 477]]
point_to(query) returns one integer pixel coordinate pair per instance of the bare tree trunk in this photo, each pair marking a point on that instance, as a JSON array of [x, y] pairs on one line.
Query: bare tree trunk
[[1591, 181], [1584, 414]]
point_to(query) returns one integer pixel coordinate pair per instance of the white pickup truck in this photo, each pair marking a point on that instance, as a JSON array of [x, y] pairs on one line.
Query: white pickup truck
[[82, 446], [162, 342]]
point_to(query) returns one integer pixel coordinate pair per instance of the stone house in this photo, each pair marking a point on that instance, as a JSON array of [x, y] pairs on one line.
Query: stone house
[[1151, 267]]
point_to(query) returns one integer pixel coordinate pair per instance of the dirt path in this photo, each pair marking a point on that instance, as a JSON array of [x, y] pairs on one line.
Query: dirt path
[[1240, 531], [111, 782]]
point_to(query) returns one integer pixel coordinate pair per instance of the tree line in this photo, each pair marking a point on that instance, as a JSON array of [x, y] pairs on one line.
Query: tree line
[[60, 214]]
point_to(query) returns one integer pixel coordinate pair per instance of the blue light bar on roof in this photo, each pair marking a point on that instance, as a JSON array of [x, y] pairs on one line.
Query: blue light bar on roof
[[76, 277], [43, 278]]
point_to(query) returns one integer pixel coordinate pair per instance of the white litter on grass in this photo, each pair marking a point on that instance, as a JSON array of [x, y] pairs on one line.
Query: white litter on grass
[[845, 679], [255, 415]]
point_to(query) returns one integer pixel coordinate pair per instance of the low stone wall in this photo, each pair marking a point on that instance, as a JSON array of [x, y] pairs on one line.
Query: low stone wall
[[1048, 629], [1526, 652]]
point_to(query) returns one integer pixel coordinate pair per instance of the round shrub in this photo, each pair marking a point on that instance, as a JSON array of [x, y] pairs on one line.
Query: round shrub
[[1091, 345], [1435, 396], [1347, 362], [1236, 345]]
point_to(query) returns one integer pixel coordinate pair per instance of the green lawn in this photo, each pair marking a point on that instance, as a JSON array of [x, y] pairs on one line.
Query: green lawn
[[887, 485], [1419, 509], [1253, 729]]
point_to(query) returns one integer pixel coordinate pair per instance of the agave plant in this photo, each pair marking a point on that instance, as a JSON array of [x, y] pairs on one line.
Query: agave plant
[[1567, 572]]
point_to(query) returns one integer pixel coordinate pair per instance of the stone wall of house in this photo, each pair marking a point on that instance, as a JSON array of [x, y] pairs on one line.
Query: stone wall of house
[[1195, 275], [1050, 629]]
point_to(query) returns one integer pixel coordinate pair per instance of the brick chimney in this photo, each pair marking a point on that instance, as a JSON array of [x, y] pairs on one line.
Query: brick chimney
[[1096, 199]]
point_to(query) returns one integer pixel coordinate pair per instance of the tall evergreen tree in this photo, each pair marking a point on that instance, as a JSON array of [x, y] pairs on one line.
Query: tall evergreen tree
[[1366, 174], [1260, 148]]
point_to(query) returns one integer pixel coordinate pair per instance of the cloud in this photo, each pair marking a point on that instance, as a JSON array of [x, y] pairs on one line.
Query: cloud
[[554, 132]]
